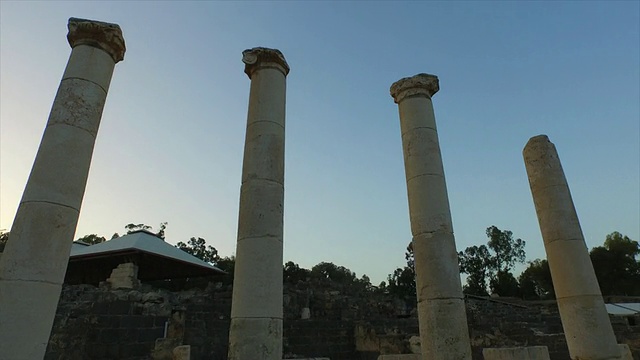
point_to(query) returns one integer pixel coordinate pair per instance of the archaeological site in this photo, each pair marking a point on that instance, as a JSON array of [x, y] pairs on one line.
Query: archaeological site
[[136, 297]]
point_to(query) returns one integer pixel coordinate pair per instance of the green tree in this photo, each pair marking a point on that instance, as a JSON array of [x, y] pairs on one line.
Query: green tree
[[402, 282], [227, 264], [335, 273], [136, 227], [508, 251], [535, 281], [131, 228], [198, 247], [4, 237], [615, 265], [478, 264], [163, 227], [492, 263], [92, 239], [293, 273], [505, 284]]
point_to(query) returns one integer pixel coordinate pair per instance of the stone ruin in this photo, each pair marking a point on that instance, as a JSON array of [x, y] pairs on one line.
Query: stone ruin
[[31, 282], [344, 323]]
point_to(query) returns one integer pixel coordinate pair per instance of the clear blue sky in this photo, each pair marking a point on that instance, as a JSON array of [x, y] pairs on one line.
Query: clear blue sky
[[171, 139]]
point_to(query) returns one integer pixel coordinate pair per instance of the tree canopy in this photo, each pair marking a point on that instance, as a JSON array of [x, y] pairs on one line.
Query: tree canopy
[[535, 281], [198, 247], [92, 239], [491, 264], [137, 227], [615, 265], [4, 237], [402, 282]]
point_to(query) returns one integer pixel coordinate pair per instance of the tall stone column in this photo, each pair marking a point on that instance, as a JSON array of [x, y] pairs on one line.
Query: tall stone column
[[256, 310], [34, 262], [584, 317], [441, 309]]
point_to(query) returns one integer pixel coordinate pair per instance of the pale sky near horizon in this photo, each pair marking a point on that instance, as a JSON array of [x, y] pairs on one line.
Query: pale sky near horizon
[[172, 133]]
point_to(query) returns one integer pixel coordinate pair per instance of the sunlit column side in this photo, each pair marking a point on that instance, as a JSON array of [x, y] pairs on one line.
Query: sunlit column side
[[256, 311], [584, 317], [441, 309], [35, 258]]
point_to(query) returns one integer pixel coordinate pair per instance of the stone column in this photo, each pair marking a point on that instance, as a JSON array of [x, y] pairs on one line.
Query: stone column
[[34, 262], [441, 309], [584, 317], [256, 310]]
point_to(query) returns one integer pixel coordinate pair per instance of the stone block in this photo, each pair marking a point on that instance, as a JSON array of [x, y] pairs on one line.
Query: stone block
[[149, 335], [436, 259], [60, 170], [182, 352], [35, 301], [56, 225], [517, 353], [570, 273], [587, 327], [401, 357], [264, 152], [261, 210], [305, 314], [625, 352], [176, 327], [124, 276], [432, 315], [422, 153], [245, 332], [91, 64], [267, 96], [119, 307], [109, 336], [416, 113], [429, 204], [414, 344], [262, 270], [163, 349]]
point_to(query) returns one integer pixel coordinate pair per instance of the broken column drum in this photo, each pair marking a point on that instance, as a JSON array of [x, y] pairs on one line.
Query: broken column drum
[[441, 309], [584, 317], [256, 312], [35, 259]]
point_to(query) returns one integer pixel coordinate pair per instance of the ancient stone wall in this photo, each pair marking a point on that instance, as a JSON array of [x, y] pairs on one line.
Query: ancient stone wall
[[94, 323]]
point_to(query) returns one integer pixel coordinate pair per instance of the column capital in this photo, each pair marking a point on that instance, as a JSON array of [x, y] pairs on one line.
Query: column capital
[[260, 57], [421, 84], [101, 35]]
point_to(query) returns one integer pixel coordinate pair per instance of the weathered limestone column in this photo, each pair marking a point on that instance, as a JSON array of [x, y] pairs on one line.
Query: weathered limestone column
[[584, 317], [256, 310], [441, 310], [35, 259]]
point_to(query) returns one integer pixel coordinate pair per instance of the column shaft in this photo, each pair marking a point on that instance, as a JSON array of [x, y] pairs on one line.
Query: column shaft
[[584, 317], [35, 259], [441, 309], [256, 311]]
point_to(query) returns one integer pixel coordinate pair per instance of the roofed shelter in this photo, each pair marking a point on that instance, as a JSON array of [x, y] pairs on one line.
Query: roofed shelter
[[155, 259]]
